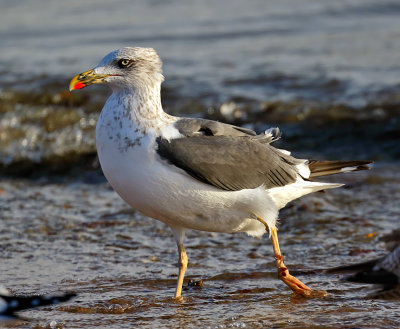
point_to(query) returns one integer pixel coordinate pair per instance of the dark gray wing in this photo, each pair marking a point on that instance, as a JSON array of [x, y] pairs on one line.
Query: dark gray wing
[[235, 161], [202, 127]]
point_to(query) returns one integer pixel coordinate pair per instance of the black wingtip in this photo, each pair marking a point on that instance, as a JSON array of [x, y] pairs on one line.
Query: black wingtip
[[374, 277], [364, 266], [18, 303], [327, 167]]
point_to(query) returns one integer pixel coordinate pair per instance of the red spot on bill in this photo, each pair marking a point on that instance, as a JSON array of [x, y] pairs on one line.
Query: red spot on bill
[[79, 85]]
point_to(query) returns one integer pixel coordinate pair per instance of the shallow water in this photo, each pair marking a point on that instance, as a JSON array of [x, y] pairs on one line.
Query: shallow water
[[236, 61], [77, 235], [326, 72], [280, 50]]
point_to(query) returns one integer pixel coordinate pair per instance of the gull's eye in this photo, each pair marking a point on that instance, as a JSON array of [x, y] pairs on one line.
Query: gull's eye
[[122, 63]]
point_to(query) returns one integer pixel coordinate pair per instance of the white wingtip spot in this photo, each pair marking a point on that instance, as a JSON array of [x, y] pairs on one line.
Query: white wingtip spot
[[35, 302], [3, 305], [348, 169]]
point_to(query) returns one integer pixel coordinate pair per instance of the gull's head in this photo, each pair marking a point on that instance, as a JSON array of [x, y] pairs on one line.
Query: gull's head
[[125, 68]]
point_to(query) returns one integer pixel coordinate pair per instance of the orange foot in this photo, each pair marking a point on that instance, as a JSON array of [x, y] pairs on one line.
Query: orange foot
[[298, 287]]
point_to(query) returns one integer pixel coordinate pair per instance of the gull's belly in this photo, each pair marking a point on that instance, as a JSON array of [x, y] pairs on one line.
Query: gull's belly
[[166, 193]]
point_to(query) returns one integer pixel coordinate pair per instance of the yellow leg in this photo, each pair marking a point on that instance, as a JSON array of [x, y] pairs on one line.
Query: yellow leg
[[295, 284], [183, 261]]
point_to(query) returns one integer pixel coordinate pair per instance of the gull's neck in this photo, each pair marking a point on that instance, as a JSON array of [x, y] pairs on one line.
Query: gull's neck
[[143, 107]]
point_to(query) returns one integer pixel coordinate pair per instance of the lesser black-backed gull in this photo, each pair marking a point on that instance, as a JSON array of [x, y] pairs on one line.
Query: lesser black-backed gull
[[384, 270], [194, 173], [10, 305]]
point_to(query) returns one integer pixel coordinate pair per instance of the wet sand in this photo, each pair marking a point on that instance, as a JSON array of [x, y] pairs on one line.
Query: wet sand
[[77, 235]]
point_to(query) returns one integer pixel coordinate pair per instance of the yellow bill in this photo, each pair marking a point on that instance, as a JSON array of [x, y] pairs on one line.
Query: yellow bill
[[85, 79]]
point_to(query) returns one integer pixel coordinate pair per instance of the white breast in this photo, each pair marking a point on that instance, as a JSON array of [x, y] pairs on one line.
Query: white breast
[[165, 192]]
